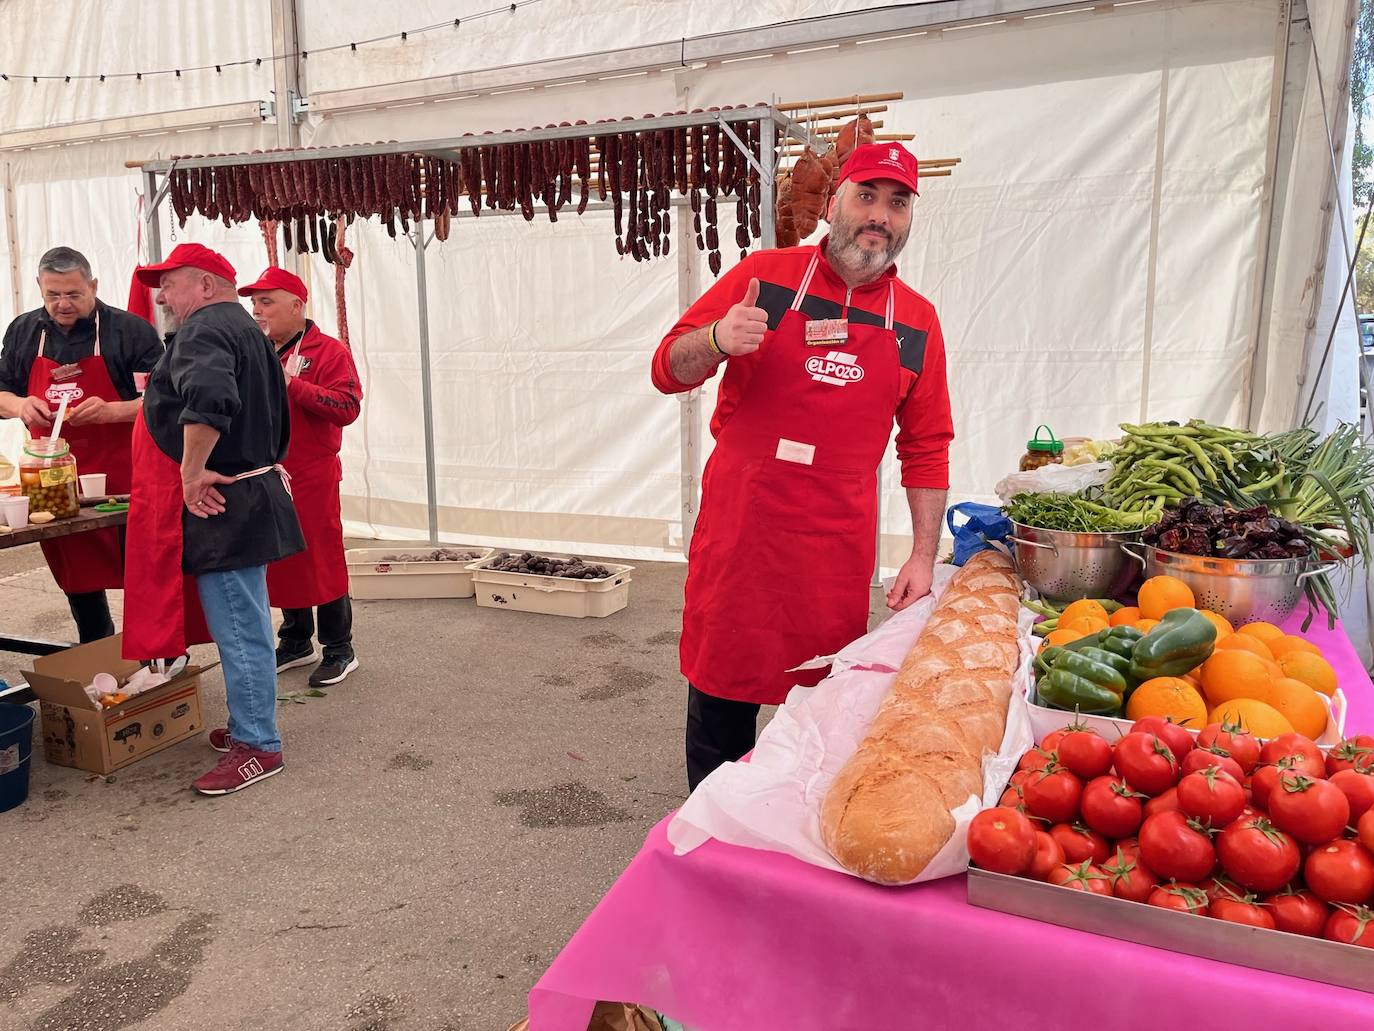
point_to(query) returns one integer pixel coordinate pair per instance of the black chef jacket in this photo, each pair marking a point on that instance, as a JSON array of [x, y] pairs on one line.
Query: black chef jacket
[[221, 370], [127, 343]]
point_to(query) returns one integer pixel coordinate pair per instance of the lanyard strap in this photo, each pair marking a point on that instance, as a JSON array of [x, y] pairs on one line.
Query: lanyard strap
[[806, 283], [43, 337]]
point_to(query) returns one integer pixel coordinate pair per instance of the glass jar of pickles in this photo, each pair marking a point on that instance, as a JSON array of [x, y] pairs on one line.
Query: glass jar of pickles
[[47, 475]]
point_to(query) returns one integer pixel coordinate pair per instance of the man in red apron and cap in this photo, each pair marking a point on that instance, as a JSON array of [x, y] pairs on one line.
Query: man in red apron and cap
[[80, 348], [824, 349], [211, 508], [322, 386]]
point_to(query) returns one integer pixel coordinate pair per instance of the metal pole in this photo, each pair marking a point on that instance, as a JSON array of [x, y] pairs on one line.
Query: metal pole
[[689, 426], [767, 159], [12, 231], [152, 235], [878, 549], [426, 388]]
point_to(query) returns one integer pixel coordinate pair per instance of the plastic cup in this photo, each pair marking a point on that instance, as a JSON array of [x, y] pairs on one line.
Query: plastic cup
[[92, 485], [16, 511]]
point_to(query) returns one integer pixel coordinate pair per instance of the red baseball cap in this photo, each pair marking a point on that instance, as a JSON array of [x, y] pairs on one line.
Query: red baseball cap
[[276, 279], [187, 255], [881, 161]]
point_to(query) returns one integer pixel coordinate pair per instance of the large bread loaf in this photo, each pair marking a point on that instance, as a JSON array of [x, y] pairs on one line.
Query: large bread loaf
[[888, 812]]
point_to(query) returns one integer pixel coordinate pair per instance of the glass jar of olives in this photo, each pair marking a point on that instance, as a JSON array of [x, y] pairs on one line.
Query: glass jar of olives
[[47, 475]]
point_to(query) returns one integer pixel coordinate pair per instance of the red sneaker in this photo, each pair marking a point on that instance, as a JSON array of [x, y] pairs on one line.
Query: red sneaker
[[220, 740], [240, 767]]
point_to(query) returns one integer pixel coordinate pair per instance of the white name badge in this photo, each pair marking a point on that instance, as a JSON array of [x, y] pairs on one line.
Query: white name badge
[[295, 365], [795, 451], [823, 332]]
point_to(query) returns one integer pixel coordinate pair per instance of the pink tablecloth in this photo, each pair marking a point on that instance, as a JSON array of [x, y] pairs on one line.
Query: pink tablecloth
[[725, 938]]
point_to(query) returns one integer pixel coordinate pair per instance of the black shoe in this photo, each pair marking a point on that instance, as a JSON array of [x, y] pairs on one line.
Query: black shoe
[[333, 669], [291, 654]]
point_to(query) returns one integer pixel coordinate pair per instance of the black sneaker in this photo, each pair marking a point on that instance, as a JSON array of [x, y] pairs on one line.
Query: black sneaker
[[333, 669], [291, 654]]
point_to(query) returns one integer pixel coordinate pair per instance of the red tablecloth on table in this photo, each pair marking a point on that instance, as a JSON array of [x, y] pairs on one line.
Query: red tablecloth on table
[[727, 938]]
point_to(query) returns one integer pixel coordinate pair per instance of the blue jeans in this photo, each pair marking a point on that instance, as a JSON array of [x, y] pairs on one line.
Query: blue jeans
[[240, 620]]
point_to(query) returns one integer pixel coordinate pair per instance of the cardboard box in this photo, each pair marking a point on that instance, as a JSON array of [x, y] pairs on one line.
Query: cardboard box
[[78, 732]]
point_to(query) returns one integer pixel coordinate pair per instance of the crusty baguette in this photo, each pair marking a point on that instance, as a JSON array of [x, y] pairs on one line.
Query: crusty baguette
[[888, 812]]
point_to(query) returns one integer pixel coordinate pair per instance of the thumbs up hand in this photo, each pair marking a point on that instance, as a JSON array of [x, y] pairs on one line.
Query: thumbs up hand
[[742, 329]]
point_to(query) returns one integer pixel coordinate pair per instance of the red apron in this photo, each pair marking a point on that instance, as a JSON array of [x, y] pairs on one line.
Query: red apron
[[91, 561], [319, 574], [162, 613], [783, 549]]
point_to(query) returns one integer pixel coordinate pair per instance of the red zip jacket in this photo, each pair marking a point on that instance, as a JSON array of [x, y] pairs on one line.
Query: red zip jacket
[[925, 426]]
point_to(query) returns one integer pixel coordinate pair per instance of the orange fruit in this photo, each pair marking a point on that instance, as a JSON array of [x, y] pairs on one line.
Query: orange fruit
[[1284, 645], [1233, 673], [1266, 632], [1159, 594], [1146, 625], [1062, 636], [1275, 670], [1298, 704], [1085, 625], [1194, 677], [1084, 607], [1127, 615], [1244, 642], [1171, 697], [1312, 670], [1257, 718], [1223, 625]]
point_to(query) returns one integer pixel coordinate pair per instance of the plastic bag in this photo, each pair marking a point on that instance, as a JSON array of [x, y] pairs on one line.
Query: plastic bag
[[1054, 479], [983, 525]]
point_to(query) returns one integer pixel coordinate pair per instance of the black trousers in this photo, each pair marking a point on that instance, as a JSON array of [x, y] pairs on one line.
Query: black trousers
[[91, 611], [718, 731], [336, 626]]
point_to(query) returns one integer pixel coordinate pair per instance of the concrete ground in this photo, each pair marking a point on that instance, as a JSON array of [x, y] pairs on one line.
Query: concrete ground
[[447, 818]]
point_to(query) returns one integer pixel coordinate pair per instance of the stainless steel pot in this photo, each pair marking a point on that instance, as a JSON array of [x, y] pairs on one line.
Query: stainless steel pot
[[1064, 566]]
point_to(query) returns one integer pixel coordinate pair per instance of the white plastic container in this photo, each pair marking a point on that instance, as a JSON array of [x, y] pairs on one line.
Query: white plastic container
[[551, 595], [372, 577], [15, 511]]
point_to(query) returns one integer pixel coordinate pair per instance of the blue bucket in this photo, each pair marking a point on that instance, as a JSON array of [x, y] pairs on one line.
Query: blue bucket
[[16, 746]]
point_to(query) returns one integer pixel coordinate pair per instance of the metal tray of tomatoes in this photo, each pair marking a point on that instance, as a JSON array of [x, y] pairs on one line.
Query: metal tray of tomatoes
[[1278, 952]]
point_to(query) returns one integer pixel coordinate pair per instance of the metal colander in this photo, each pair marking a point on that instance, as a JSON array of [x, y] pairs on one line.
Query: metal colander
[[1242, 590], [1064, 566]]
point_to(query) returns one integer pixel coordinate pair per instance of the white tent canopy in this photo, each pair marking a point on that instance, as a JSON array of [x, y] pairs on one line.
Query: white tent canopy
[[1144, 224]]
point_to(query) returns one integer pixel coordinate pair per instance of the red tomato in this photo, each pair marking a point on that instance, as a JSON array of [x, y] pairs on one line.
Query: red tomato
[[1341, 871], [1001, 840], [1085, 754], [1183, 898], [1201, 758], [1231, 739], [1173, 846], [1111, 808], [1131, 878], [1052, 794], [1048, 857], [1011, 799], [1051, 740], [1219, 886], [1242, 911], [1180, 742], [1358, 787], [1354, 753], [1165, 803], [1080, 843], [1353, 925], [1035, 759], [1310, 760], [1257, 855], [1019, 778], [1366, 831], [1211, 796], [1131, 846], [1312, 811], [1083, 877], [1146, 762], [1298, 912], [1266, 778]]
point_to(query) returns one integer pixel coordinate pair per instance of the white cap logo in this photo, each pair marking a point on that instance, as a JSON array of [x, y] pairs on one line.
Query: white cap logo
[[892, 154]]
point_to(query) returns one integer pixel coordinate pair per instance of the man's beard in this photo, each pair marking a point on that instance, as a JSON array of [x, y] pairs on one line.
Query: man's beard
[[844, 248], [171, 318]]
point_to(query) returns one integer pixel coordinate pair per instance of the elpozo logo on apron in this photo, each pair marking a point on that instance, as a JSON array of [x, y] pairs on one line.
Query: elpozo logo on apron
[[836, 368], [57, 391]]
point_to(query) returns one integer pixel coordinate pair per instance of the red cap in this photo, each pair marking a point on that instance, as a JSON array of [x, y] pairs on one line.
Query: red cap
[[187, 255], [276, 279], [881, 161]]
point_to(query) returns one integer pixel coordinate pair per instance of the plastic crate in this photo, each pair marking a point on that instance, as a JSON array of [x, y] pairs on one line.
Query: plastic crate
[[372, 578], [551, 595]]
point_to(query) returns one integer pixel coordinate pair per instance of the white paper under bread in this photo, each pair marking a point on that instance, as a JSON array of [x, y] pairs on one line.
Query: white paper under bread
[[773, 802]]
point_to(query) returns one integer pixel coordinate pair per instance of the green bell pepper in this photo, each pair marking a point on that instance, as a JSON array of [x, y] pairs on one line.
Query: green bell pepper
[[1118, 662], [1075, 681], [1182, 641]]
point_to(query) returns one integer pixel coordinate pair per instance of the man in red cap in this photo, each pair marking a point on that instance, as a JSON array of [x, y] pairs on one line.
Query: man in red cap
[[210, 507], [824, 348], [322, 385]]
